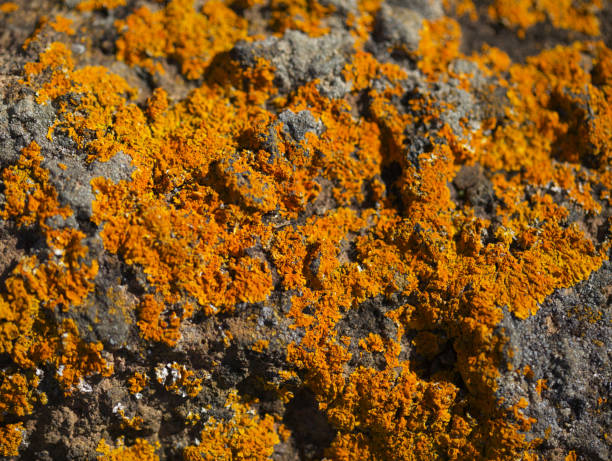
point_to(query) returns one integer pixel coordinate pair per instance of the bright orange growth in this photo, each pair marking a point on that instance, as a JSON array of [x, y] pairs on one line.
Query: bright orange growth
[[153, 327], [541, 385], [138, 382], [30, 200], [304, 15], [16, 395], [461, 8], [245, 436], [219, 181], [180, 33], [142, 450], [62, 24], [8, 7], [553, 149], [10, 439], [179, 380], [523, 14], [61, 279], [439, 45], [260, 345]]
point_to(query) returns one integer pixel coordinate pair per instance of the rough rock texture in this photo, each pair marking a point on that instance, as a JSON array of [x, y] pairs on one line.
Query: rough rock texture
[[565, 344], [300, 230]]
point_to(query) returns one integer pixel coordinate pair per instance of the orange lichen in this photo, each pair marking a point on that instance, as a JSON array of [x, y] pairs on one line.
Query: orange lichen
[[137, 382], [439, 45], [61, 278], [75, 358], [30, 198], [180, 33], [523, 14], [153, 327], [225, 206], [260, 345], [63, 25], [178, 379], [11, 437], [142, 450], [304, 15], [245, 436], [541, 385], [461, 8], [8, 7], [134, 423], [17, 397]]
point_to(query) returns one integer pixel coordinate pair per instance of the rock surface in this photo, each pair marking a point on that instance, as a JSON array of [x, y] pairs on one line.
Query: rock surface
[[305, 230]]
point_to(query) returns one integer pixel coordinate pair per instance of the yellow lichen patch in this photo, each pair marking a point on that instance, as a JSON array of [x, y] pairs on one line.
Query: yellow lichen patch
[[62, 279], [134, 423], [176, 266], [547, 147], [571, 456], [62, 24], [141, 450], [75, 358], [153, 327], [439, 44], [244, 436], [461, 8], [178, 379], [11, 437], [304, 15], [364, 68], [399, 412], [180, 33], [564, 14], [227, 205], [29, 197], [260, 345], [16, 394], [137, 382], [8, 7], [541, 385], [65, 279]]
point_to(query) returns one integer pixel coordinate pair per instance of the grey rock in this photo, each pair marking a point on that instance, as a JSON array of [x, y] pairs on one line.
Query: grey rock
[[297, 125], [567, 343], [20, 124], [298, 58], [464, 104], [429, 9], [398, 27], [73, 181], [342, 7], [334, 87]]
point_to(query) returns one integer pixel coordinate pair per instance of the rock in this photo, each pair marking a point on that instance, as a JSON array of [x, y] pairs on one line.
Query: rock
[[564, 345], [298, 58]]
